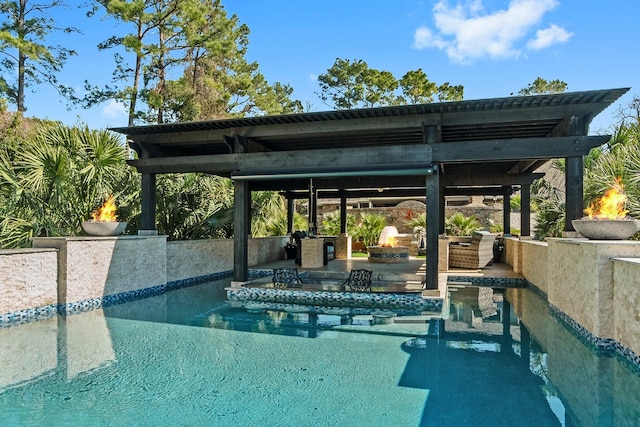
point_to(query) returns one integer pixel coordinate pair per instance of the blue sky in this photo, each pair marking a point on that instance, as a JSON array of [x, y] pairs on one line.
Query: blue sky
[[492, 47]]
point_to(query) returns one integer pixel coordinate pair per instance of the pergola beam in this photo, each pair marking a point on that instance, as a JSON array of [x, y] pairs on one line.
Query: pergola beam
[[376, 182], [418, 155], [515, 149]]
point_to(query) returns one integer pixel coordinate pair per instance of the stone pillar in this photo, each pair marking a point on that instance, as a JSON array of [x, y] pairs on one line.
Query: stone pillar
[[312, 253], [443, 253], [343, 246]]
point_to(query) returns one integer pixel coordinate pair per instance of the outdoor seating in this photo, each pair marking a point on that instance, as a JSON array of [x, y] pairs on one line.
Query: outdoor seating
[[286, 278], [477, 253], [358, 281]]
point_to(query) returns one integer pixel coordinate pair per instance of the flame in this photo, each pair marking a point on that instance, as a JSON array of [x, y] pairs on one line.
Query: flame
[[391, 242], [105, 213], [610, 205]]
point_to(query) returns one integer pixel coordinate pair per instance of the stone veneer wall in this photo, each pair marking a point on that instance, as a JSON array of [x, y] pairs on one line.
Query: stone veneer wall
[[512, 253], [585, 291], [533, 263], [72, 270], [598, 295], [92, 267], [193, 258], [626, 302], [28, 279]]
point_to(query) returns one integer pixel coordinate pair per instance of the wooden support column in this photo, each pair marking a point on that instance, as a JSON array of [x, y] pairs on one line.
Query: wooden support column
[[148, 202], [525, 210], [343, 212], [311, 212], [433, 228], [241, 227], [432, 134], [506, 210], [574, 185], [290, 213], [443, 206]]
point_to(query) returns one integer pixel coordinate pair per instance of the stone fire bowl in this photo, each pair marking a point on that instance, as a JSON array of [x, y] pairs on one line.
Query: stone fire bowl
[[606, 229], [104, 228]]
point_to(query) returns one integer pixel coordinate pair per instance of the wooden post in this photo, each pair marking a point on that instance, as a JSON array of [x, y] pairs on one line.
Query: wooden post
[[290, 213], [343, 212], [574, 185], [525, 210], [241, 226], [443, 206], [433, 226], [506, 210], [148, 202]]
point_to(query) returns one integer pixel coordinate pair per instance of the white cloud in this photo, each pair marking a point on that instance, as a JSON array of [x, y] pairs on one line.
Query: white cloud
[[466, 31], [548, 37], [114, 110]]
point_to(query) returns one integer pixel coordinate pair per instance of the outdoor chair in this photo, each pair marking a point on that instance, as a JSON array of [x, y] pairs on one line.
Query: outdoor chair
[[359, 281], [477, 253], [286, 278]]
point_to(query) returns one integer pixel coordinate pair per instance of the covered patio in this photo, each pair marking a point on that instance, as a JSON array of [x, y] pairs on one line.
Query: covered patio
[[428, 151]]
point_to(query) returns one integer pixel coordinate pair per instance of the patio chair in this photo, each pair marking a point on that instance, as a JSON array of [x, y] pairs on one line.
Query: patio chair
[[358, 281], [476, 254], [286, 278]]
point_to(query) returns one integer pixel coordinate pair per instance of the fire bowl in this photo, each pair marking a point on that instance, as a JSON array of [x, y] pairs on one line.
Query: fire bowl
[[388, 255], [104, 228], [606, 229]]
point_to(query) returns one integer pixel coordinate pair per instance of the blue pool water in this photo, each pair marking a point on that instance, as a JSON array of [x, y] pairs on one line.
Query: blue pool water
[[189, 358]]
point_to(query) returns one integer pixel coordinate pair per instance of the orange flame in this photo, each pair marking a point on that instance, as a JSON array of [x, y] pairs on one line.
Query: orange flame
[[105, 213], [391, 242], [611, 205]]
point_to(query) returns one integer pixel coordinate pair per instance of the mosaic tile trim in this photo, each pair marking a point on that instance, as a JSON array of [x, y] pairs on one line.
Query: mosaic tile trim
[[602, 346], [28, 315], [192, 281], [536, 290], [258, 272], [40, 313], [388, 255], [340, 299], [323, 309], [109, 300], [500, 282]]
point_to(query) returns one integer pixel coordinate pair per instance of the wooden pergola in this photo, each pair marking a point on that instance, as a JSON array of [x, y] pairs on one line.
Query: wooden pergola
[[487, 146]]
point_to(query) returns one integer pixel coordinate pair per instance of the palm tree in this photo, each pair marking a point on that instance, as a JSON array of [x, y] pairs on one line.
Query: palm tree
[[460, 225], [57, 179], [193, 206], [331, 223], [419, 225], [370, 227], [266, 207]]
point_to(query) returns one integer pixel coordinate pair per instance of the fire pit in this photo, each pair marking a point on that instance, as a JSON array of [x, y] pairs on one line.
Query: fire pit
[[606, 229], [606, 217], [104, 221], [387, 251]]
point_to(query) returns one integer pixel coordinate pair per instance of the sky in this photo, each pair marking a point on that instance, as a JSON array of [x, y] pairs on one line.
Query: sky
[[493, 48]]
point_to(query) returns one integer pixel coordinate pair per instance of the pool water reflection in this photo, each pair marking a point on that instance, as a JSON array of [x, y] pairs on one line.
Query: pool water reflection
[[189, 357]]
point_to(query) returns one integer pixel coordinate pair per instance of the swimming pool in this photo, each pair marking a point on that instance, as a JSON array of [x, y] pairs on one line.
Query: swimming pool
[[188, 357]]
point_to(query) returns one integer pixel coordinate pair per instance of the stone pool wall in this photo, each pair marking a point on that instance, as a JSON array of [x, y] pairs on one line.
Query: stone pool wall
[[74, 274], [626, 300], [591, 286], [28, 279], [92, 267]]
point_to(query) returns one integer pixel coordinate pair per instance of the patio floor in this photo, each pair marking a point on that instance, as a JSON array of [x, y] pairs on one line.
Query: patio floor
[[409, 271]]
